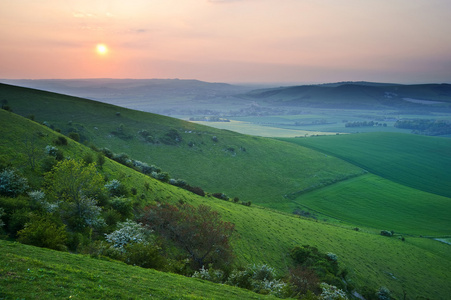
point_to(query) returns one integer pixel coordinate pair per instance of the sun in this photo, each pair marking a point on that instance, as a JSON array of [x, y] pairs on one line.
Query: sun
[[102, 49]]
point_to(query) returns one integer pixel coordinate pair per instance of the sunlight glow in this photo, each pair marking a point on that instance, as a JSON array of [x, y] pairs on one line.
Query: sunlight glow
[[102, 49]]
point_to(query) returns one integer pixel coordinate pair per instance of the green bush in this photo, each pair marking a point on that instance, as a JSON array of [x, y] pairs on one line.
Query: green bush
[[144, 255], [44, 232], [124, 206]]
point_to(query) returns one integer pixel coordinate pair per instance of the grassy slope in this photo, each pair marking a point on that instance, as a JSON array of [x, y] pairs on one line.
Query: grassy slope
[[263, 236], [263, 174], [34, 273]]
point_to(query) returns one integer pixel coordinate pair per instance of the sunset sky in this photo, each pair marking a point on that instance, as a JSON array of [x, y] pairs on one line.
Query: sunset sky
[[268, 41]]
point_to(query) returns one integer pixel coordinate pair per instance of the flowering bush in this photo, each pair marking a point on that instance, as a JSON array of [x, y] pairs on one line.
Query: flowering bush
[[128, 232], [11, 183], [50, 150], [330, 292], [209, 274]]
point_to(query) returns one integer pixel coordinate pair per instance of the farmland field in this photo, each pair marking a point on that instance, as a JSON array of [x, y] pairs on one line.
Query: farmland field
[[370, 200], [419, 162]]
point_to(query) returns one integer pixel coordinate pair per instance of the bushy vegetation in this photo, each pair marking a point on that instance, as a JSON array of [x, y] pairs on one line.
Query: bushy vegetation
[[425, 126]]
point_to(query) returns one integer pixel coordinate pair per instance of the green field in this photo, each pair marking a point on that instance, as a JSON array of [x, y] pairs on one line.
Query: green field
[[376, 202], [419, 162]]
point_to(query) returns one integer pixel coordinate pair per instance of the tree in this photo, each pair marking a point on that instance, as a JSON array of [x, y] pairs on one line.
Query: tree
[[76, 186], [198, 231]]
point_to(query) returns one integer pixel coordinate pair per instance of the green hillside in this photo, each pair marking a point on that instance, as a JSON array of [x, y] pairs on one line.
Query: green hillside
[[28, 272], [254, 169], [263, 236]]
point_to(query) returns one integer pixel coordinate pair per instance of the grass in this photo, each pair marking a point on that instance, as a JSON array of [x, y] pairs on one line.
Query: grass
[[28, 272], [376, 202], [419, 162]]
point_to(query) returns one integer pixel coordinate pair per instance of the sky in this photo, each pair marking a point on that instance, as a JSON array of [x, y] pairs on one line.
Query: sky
[[254, 41]]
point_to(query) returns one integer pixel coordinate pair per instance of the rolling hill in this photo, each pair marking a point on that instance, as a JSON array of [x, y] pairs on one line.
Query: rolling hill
[[264, 235], [358, 95], [254, 169]]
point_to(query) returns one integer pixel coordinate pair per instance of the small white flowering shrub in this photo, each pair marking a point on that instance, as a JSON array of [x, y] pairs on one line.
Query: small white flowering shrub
[[50, 150], [209, 274], [12, 184], [330, 292], [128, 232]]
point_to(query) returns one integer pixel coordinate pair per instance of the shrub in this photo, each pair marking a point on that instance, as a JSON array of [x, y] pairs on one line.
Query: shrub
[[107, 152], [123, 206], [196, 190], [144, 255], [386, 233], [383, 294], [330, 292], [116, 189], [128, 232], [11, 183], [74, 136], [44, 232], [61, 141], [162, 176], [212, 275], [2, 212], [88, 158], [123, 159]]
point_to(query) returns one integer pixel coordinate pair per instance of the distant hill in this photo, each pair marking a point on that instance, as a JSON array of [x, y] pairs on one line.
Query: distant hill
[[198, 98], [363, 95]]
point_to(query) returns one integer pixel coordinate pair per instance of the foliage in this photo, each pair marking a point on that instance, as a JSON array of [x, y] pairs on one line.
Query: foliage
[[386, 233], [145, 255], [116, 189], [76, 186], [199, 232], [303, 280], [325, 265], [213, 275], [2, 212], [258, 278], [44, 232], [330, 292], [425, 126], [124, 206], [128, 232], [84, 213], [383, 294], [11, 183]]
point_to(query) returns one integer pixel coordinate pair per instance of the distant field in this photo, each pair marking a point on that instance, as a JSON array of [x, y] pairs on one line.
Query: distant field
[[375, 202], [261, 130], [419, 162]]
